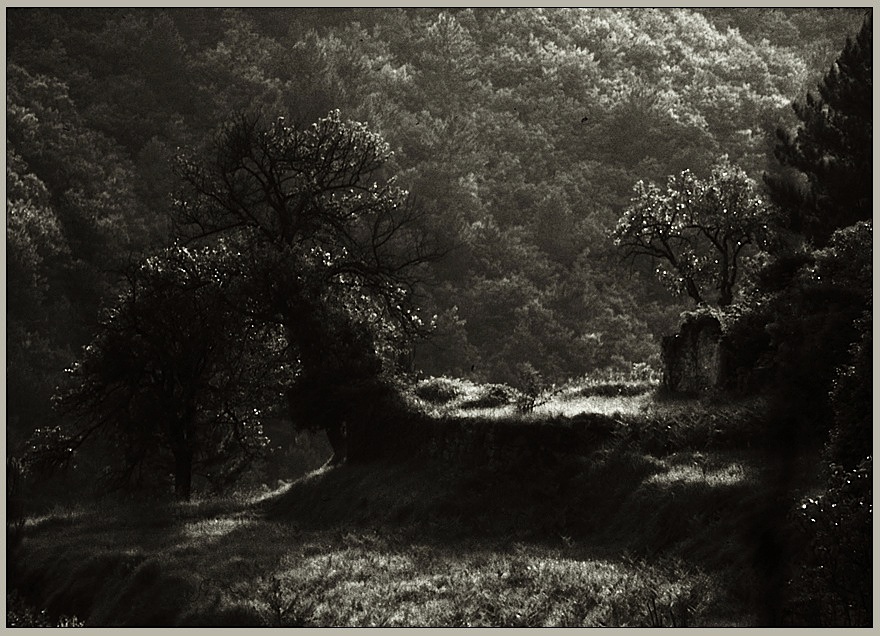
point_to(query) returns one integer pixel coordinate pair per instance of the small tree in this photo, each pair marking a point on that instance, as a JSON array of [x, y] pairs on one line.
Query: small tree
[[170, 382], [698, 231], [331, 246]]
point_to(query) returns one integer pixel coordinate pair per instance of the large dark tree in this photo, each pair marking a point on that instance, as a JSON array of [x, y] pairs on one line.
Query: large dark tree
[[331, 246], [829, 157], [170, 383]]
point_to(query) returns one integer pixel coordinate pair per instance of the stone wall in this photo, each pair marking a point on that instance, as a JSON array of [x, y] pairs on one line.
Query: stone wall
[[481, 441]]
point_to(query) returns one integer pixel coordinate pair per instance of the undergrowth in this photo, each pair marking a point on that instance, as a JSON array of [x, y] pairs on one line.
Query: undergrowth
[[20, 614]]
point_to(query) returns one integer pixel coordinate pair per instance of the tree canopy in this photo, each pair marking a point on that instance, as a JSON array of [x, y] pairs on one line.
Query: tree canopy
[[699, 231], [173, 377], [332, 249], [830, 152], [517, 135]]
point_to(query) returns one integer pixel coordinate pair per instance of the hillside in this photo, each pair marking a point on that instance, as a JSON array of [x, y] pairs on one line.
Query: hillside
[[425, 316], [519, 133], [660, 523]]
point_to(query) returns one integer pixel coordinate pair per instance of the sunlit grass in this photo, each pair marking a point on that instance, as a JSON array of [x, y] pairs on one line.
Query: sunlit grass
[[491, 588], [286, 577], [697, 472], [464, 399], [212, 528], [570, 403]]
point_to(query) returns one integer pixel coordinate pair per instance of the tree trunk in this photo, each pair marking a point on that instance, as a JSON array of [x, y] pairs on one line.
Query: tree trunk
[[336, 435], [692, 290], [727, 281], [183, 474]]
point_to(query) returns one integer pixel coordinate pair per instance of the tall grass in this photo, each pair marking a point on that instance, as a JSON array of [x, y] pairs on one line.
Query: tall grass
[[609, 393]]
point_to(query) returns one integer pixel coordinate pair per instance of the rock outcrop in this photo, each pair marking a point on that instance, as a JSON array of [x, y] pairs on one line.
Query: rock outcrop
[[693, 359]]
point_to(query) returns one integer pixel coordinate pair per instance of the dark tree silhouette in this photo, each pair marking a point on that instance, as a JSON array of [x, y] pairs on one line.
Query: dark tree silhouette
[[332, 249], [829, 157], [171, 379]]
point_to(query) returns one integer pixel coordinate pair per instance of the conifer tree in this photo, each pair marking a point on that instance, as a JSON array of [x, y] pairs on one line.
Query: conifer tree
[[831, 149]]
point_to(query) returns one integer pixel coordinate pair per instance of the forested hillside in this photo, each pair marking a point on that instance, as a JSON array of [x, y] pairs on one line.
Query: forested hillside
[[519, 135], [453, 317]]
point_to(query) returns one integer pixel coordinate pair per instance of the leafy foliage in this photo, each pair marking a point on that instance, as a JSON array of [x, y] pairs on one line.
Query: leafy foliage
[[833, 587], [171, 379], [20, 614], [537, 120], [519, 133], [437, 390], [852, 396], [303, 200], [330, 252], [70, 216], [813, 324], [700, 230]]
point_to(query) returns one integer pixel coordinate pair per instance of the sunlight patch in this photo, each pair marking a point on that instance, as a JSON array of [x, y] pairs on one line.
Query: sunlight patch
[[569, 406], [695, 473], [213, 528]]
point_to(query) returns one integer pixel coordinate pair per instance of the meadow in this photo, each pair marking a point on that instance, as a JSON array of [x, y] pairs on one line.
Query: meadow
[[663, 523]]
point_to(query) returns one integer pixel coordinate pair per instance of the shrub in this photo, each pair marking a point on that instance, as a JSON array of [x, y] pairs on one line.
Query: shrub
[[833, 586], [20, 614], [812, 324], [437, 390], [534, 390], [852, 396], [493, 396], [746, 344]]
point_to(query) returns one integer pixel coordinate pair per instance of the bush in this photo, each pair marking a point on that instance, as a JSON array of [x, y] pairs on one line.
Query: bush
[[746, 345], [813, 324], [834, 584], [852, 397], [811, 335], [437, 390], [493, 396], [20, 614]]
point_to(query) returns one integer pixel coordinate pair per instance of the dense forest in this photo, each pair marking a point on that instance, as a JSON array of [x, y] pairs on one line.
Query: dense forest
[[520, 135], [219, 220]]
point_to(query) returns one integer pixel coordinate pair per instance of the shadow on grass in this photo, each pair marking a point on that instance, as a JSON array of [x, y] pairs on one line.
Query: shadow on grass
[[616, 536]]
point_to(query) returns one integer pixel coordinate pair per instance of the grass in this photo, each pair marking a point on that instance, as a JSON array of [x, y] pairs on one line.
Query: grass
[[659, 525], [388, 561], [466, 399]]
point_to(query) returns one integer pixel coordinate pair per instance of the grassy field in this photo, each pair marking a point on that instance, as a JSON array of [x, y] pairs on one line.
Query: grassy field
[[661, 525]]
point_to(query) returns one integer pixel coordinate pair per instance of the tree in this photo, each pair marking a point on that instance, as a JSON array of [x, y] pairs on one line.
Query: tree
[[170, 382], [332, 248], [829, 156], [699, 231]]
